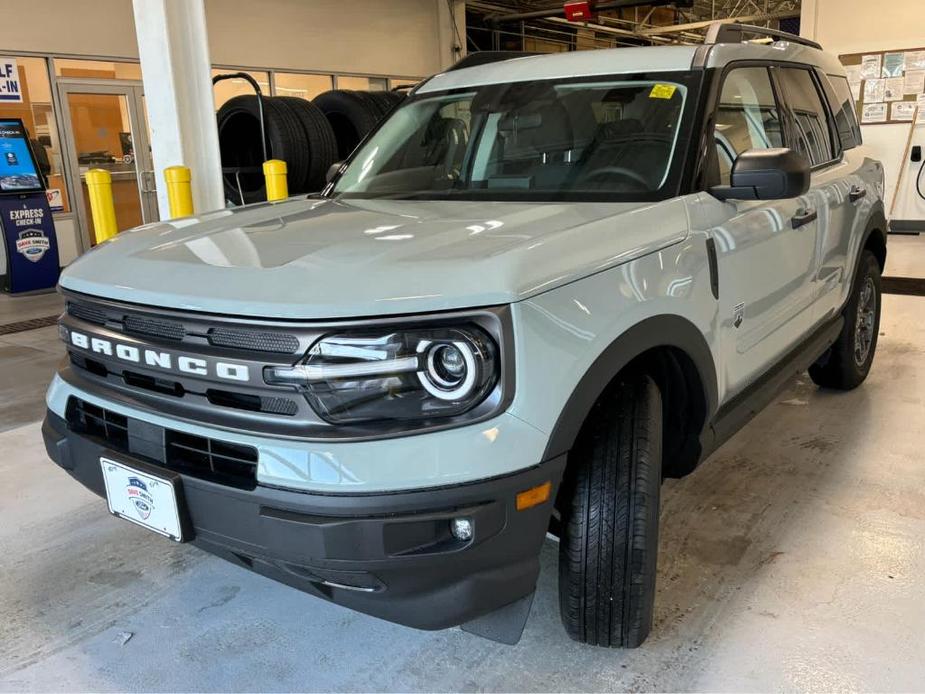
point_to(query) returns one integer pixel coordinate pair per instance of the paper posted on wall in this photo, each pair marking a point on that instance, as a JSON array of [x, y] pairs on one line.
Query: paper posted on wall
[[870, 67], [55, 199], [874, 113], [914, 82], [853, 73], [856, 91], [903, 111], [874, 91], [894, 64], [921, 105], [893, 89], [915, 60]]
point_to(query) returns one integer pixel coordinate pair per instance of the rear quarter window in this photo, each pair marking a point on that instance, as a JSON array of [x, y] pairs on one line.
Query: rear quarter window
[[846, 117]]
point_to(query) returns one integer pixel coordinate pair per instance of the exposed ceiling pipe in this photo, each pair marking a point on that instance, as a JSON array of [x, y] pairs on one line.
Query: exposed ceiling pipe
[[601, 6], [615, 31], [750, 19]]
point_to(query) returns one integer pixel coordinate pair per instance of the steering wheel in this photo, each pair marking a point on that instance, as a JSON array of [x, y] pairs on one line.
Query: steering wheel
[[607, 171]]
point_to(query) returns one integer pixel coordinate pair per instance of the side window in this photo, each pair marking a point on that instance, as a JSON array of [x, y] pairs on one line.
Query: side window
[[747, 117], [846, 118], [813, 136]]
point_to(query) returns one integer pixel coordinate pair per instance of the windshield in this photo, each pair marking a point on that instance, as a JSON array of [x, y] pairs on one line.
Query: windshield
[[548, 140]]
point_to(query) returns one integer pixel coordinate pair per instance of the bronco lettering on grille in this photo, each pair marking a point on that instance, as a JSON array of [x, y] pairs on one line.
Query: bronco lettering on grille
[[161, 360]]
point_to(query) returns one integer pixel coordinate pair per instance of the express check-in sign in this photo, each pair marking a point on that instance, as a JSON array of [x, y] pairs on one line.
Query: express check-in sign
[[10, 84]]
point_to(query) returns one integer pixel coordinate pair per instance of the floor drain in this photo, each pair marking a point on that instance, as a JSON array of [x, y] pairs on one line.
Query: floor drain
[[914, 286], [30, 324]]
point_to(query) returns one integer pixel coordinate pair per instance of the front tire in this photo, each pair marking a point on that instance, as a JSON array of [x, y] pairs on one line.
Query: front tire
[[610, 505], [849, 360]]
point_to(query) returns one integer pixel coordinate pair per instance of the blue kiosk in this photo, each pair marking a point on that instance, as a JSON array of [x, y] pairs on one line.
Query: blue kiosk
[[29, 239]]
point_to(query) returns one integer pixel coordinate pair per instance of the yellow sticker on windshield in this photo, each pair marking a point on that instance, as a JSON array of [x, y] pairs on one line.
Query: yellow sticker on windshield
[[662, 91]]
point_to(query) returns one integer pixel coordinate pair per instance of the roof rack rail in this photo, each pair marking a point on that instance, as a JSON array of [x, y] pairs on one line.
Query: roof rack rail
[[725, 32], [485, 57]]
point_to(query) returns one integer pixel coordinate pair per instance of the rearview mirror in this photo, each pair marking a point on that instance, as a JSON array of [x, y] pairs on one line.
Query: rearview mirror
[[766, 174], [332, 171]]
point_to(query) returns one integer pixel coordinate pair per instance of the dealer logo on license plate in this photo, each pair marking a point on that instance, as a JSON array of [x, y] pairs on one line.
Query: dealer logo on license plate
[[138, 493], [142, 498]]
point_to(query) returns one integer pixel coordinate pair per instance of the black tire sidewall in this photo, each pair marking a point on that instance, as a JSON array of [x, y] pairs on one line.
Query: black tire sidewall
[[293, 144], [351, 115], [285, 140], [868, 267], [321, 146], [253, 186], [610, 507]]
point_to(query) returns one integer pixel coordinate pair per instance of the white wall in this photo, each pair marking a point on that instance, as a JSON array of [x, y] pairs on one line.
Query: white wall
[[403, 38], [856, 26], [392, 37], [86, 27]]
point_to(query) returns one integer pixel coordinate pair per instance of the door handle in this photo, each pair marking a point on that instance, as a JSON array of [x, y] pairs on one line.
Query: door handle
[[804, 217], [857, 193]]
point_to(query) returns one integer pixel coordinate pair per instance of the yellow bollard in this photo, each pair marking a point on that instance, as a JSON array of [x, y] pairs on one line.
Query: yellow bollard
[[274, 171], [179, 191], [99, 187]]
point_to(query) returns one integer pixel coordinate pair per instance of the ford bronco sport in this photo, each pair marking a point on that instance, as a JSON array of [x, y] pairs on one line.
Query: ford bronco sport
[[542, 285]]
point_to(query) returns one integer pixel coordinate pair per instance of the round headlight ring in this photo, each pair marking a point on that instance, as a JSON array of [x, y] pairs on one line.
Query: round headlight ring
[[437, 367], [436, 383]]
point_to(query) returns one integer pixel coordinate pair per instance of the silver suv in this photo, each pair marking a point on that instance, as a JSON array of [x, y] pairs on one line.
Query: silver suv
[[542, 285]]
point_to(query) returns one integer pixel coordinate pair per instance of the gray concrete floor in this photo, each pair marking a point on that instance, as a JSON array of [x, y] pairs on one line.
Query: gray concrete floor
[[792, 560], [15, 308], [27, 362], [906, 255]]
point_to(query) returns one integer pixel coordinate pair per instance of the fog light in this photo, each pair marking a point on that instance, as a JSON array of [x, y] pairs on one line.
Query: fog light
[[461, 529]]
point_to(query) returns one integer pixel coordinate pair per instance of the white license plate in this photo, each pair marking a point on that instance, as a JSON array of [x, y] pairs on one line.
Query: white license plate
[[149, 501]]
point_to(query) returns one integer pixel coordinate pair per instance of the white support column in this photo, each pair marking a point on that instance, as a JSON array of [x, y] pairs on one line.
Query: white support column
[[174, 51]]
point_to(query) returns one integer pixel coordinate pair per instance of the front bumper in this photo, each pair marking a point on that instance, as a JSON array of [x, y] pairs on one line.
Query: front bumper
[[390, 555]]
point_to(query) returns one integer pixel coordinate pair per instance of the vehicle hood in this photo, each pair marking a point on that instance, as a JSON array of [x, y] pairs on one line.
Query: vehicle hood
[[316, 259]]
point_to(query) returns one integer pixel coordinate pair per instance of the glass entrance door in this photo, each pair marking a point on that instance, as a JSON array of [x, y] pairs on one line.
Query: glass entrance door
[[105, 128]]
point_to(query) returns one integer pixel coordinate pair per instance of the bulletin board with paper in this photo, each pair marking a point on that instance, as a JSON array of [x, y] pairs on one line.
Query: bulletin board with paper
[[887, 85]]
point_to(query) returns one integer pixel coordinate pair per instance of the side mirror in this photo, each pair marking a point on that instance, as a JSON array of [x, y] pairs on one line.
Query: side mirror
[[766, 174], [333, 169]]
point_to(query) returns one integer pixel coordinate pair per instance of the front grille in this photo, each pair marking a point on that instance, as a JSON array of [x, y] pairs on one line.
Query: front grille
[[139, 352], [202, 457], [98, 423], [198, 331], [197, 456], [254, 341], [267, 404], [252, 403], [167, 330], [90, 314], [163, 386], [283, 406]]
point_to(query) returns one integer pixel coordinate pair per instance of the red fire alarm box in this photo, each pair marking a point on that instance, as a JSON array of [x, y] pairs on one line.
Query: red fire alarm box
[[580, 11]]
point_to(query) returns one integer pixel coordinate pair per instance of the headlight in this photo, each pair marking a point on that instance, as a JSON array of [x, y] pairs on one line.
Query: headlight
[[412, 374]]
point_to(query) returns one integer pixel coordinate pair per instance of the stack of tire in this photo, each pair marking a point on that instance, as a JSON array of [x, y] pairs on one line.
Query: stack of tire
[[354, 114], [308, 136]]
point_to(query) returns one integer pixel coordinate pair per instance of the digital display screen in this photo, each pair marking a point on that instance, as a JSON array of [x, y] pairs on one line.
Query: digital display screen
[[18, 172]]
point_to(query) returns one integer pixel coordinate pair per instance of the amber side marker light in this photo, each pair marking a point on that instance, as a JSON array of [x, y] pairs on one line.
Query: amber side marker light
[[533, 496]]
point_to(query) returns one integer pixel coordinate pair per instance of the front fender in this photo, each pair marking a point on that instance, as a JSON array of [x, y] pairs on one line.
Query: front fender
[[573, 340], [657, 331]]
